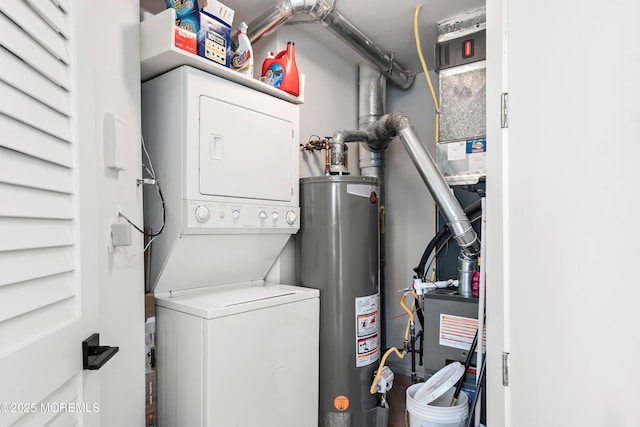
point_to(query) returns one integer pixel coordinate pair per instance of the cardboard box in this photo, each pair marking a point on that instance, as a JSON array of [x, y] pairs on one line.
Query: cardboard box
[[187, 14], [149, 305], [183, 7], [214, 39], [187, 19], [151, 397], [220, 11], [186, 40]]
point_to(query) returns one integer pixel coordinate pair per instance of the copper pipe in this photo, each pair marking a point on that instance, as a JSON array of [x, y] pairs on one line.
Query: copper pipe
[[327, 157]]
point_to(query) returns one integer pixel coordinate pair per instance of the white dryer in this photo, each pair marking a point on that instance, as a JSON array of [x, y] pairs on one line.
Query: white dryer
[[232, 350]]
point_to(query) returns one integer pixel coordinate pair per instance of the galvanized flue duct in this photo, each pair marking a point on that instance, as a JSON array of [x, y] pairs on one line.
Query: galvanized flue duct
[[377, 136], [324, 11]]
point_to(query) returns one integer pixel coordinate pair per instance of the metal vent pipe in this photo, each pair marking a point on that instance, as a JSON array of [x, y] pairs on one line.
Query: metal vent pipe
[[323, 11], [378, 136], [371, 106], [372, 93]]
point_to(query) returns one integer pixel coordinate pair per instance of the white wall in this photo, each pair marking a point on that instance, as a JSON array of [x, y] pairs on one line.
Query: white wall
[[109, 81]]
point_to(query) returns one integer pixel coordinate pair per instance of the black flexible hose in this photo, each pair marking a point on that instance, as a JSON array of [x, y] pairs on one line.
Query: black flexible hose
[[444, 231], [477, 395], [430, 247], [467, 363]]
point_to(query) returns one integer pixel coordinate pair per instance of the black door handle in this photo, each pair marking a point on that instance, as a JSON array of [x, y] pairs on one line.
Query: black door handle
[[94, 356]]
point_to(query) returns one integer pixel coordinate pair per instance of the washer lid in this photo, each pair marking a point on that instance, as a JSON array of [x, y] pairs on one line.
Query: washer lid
[[227, 300], [439, 383]]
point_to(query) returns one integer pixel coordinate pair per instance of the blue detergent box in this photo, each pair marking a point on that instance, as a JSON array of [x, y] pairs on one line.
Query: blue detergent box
[[190, 22], [214, 39], [183, 7], [187, 14]]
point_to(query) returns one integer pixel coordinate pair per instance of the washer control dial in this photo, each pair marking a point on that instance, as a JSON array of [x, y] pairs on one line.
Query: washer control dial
[[202, 214], [291, 217], [262, 215], [275, 216], [235, 214]]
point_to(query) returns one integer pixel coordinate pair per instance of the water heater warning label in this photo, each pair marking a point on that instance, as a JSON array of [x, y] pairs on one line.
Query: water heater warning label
[[367, 324], [367, 330]]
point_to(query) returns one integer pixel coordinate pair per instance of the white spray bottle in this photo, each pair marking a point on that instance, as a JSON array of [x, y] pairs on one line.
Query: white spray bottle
[[242, 59]]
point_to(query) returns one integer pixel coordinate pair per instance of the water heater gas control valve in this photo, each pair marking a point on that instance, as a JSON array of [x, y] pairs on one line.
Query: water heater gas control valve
[[291, 217], [386, 380]]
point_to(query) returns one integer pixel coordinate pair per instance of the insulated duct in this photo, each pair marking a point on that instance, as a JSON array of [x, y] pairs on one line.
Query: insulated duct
[[323, 11], [378, 136]]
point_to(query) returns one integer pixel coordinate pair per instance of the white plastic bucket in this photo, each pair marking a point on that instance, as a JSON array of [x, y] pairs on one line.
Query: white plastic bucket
[[437, 413]]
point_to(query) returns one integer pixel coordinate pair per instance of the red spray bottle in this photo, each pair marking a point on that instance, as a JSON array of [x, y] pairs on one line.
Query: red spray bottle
[[281, 71]]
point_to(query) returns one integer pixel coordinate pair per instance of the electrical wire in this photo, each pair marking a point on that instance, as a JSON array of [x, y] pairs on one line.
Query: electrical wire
[[152, 174], [426, 71], [164, 213], [144, 148]]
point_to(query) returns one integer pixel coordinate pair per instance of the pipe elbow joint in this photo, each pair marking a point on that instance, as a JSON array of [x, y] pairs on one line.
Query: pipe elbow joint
[[317, 9], [338, 137], [382, 131], [472, 250], [400, 121]]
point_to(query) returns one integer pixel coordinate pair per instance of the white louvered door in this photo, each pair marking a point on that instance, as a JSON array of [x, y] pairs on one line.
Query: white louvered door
[[43, 315]]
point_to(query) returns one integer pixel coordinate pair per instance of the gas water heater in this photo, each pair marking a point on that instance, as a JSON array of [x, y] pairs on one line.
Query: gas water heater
[[338, 247]]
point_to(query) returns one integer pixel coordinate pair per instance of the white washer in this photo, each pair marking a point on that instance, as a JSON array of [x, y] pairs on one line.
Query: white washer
[[239, 356], [232, 349]]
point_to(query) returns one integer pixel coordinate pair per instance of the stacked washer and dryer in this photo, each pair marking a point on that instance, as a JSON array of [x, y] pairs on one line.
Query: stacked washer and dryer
[[232, 349]]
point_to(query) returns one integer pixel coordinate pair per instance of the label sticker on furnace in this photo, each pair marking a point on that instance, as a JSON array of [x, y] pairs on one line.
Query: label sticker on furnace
[[458, 332], [367, 332]]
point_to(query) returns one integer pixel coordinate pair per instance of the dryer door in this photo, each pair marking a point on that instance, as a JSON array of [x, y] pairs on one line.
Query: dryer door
[[245, 153]]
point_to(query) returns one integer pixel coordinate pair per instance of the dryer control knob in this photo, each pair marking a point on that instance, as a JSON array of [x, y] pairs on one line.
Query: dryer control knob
[[202, 214], [262, 215], [291, 217], [235, 214], [275, 216]]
